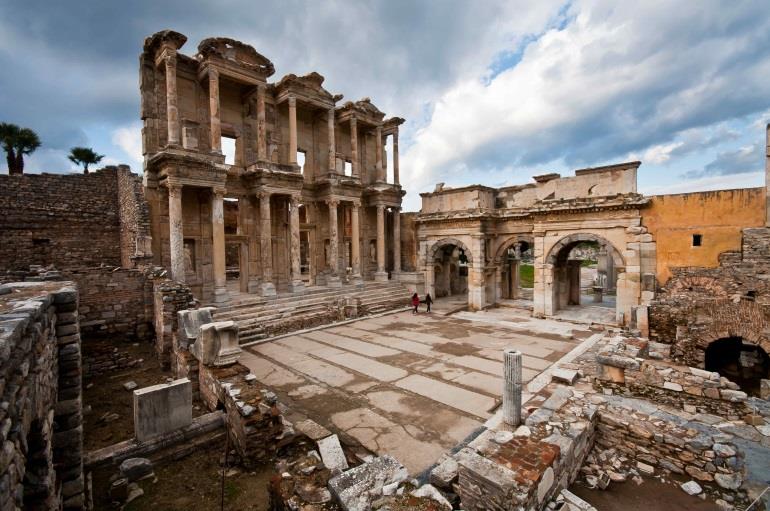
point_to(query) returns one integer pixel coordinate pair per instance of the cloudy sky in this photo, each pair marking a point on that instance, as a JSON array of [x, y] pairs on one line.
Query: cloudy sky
[[493, 91]]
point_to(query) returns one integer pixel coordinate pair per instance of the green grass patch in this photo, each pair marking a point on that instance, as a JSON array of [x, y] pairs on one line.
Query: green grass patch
[[526, 275]]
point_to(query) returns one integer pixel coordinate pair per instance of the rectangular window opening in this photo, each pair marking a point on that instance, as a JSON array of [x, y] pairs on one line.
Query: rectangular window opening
[[301, 161], [228, 149], [348, 168], [697, 240]]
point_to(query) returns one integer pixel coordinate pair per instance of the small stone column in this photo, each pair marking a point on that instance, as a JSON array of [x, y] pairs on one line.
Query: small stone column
[[332, 145], [216, 127], [355, 247], [218, 246], [396, 178], [334, 242], [266, 244], [176, 235], [297, 286], [172, 112], [354, 146], [381, 275], [292, 131], [261, 125], [378, 151], [396, 240], [512, 387]]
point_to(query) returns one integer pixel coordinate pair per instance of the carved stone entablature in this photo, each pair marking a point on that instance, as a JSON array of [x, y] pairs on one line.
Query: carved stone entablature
[[343, 186], [235, 52], [308, 89], [363, 110], [188, 168], [391, 124], [165, 39], [582, 204], [274, 178], [383, 193]]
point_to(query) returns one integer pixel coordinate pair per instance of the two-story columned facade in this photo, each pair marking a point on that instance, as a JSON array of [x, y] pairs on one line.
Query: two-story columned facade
[[316, 203]]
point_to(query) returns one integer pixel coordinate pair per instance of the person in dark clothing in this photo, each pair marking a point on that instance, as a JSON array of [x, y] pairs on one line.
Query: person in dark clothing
[[428, 301], [415, 302]]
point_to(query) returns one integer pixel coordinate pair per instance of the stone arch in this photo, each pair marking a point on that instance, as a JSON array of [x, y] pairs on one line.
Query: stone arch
[[516, 238], [444, 242], [572, 239]]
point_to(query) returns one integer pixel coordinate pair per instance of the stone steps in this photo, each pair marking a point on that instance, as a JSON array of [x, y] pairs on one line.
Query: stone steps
[[262, 317]]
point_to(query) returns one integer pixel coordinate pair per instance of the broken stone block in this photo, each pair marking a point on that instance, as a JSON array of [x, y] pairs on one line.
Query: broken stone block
[[645, 469], [217, 344], [691, 488], [568, 376], [669, 385], [332, 454], [445, 473], [312, 429], [764, 389], [190, 323], [429, 491], [134, 469], [729, 481], [130, 385], [358, 487], [162, 408], [723, 450]]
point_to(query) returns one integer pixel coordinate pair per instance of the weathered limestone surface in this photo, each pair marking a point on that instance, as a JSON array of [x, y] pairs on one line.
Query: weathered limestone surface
[[162, 408]]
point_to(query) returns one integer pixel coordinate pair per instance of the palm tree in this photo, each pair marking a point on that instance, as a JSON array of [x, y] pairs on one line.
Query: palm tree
[[84, 156], [16, 143]]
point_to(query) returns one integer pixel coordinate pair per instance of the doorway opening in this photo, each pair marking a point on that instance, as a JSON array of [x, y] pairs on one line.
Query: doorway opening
[[739, 362]]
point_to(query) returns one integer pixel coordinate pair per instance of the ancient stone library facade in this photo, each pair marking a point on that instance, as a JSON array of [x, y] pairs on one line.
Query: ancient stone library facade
[[303, 228]]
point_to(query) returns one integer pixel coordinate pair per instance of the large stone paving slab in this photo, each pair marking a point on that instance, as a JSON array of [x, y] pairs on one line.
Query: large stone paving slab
[[410, 386]]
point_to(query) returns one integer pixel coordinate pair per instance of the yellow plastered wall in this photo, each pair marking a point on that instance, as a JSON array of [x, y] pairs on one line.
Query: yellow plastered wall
[[718, 216]]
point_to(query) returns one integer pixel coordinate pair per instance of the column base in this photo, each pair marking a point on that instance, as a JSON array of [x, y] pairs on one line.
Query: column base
[[356, 279], [253, 286], [268, 289], [380, 276], [221, 295], [333, 281], [297, 286]]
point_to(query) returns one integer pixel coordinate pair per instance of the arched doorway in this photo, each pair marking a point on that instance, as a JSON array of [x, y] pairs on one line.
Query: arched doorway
[[581, 275], [448, 267], [739, 362], [515, 263]]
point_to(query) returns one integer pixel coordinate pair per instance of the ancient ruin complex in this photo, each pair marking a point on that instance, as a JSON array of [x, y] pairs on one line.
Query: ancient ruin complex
[[261, 303]]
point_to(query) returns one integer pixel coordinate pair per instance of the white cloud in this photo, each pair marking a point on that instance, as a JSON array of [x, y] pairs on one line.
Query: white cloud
[[129, 139], [746, 180]]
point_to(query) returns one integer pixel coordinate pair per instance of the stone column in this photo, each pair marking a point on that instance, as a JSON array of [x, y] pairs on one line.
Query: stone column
[[381, 275], [266, 244], [396, 179], [355, 247], [172, 113], [216, 128], [297, 286], [396, 240], [512, 387], [249, 213], [176, 235], [261, 125], [292, 131], [332, 145], [218, 246], [334, 242], [378, 151], [354, 146]]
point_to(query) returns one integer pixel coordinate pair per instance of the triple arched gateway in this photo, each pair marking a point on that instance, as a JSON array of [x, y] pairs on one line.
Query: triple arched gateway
[[572, 247]]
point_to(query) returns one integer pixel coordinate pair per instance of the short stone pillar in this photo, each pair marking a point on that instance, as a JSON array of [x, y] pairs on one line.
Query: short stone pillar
[[598, 293], [217, 344], [190, 322], [162, 408], [512, 387]]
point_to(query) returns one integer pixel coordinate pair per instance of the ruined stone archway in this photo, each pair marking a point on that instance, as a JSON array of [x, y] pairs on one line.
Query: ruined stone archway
[[745, 364], [446, 274], [513, 274], [560, 281]]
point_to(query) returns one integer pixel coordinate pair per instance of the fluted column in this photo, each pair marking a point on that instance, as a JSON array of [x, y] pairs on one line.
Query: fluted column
[[172, 112], [354, 146], [216, 127], [512, 387], [378, 151], [332, 144], [396, 240], [292, 131], [355, 242], [218, 246], [261, 125], [176, 235], [297, 286], [381, 274], [266, 244], [396, 179]]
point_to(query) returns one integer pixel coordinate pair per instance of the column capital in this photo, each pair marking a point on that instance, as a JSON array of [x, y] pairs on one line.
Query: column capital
[[263, 194], [332, 203], [353, 121], [169, 59], [356, 203], [213, 74], [219, 193], [381, 207], [292, 101], [295, 200], [174, 189]]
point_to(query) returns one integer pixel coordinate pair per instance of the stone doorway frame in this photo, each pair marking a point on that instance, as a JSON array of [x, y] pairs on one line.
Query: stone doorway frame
[[476, 281]]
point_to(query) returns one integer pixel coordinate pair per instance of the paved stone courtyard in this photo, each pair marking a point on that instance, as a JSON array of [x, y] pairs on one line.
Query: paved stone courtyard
[[410, 386]]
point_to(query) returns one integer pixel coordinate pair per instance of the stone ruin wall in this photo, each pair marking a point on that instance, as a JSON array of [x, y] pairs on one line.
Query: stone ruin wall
[[40, 388]]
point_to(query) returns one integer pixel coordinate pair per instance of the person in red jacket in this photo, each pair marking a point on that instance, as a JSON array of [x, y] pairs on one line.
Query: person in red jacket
[[415, 302]]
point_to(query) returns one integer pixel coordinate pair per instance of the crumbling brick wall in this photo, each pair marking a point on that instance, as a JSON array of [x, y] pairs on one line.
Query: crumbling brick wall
[[169, 297], [134, 213], [71, 220], [40, 381]]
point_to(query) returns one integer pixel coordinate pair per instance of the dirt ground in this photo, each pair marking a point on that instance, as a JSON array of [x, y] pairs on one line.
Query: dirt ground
[[194, 483], [652, 495]]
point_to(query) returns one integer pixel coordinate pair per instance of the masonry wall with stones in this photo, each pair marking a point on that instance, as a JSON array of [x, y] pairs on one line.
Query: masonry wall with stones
[[40, 387], [698, 306], [69, 220]]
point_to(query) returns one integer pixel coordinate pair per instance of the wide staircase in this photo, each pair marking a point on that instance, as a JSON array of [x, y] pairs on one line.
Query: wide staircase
[[260, 317]]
